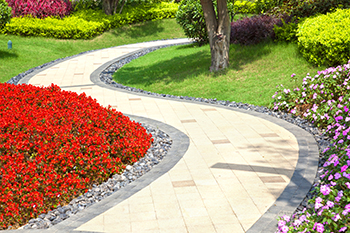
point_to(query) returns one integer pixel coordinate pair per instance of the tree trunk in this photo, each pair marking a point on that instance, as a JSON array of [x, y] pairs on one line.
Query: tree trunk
[[219, 29], [110, 6]]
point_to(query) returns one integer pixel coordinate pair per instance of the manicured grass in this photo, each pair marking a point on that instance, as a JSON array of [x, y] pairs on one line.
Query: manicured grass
[[251, 78], [29, 52]]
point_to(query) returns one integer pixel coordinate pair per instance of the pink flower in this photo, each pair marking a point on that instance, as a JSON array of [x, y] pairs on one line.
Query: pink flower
[[325, 190]]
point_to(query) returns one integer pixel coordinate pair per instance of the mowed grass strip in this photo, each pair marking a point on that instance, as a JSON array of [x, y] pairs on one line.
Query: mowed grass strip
[[252, 77], [29, 52]]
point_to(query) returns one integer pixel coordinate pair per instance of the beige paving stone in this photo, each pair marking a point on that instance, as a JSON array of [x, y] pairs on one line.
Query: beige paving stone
[[144, 226], [224, 182], [229, 228]]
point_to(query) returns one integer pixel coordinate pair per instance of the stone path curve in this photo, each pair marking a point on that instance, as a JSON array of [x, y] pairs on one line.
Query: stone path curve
[[237, 171]]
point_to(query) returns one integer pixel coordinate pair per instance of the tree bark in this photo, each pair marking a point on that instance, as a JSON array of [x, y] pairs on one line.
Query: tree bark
[[219, 29], [110, 6]]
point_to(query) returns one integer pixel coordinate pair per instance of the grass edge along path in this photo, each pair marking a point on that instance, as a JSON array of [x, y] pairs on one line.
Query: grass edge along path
[[252, 77], [30, 52]]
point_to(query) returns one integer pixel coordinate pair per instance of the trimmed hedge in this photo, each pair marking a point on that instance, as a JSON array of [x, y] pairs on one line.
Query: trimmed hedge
[[5, 13], [85, 24], [67, 28], [130, 15], [325, 39]]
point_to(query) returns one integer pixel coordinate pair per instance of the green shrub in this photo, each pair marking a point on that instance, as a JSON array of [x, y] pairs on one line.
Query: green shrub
[[307, 8], [67, 28], [244, 7], [85, 24], [286, 30], [5, 13], [130, 15], [263, 6], [325, 39], [191, 18]]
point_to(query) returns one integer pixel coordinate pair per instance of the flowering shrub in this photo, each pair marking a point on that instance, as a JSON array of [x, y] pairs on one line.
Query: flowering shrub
[[54, 145], [40, 9], [324, 100]]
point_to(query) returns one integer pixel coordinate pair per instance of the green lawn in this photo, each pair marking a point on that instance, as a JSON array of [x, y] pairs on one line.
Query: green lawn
[[29, 52], [251, 78], [181, 70]]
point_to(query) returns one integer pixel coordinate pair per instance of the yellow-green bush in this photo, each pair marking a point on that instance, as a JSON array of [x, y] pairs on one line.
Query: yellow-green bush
[[67, 28], [244, 7], [85, 24], [130, 15], [325, 39]]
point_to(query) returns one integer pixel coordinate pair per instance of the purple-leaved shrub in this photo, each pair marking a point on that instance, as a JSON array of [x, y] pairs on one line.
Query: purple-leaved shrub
[[253, 30], [324, 99], [40, 9]]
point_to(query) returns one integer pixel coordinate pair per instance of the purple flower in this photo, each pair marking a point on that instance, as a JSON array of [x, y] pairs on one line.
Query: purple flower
[[343, 168], [314, 96], [337, 176], [336, 217], [319, 227], [292, 75], [314, 108], [338, 118], [325, 190], [330, 204], [330, 177], [347, 185], [343, 229]]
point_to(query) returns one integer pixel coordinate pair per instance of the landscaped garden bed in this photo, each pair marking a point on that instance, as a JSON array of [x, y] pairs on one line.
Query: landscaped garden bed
[[55, 145]]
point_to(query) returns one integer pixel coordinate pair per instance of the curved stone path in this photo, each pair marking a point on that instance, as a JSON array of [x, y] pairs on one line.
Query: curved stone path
[[240, 171]]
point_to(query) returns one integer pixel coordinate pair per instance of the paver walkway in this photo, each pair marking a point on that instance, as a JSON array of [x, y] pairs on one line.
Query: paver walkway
[[235, 168]]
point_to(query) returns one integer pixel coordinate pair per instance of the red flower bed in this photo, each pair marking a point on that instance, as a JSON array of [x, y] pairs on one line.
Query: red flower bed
[[40, 8], [54, 145]]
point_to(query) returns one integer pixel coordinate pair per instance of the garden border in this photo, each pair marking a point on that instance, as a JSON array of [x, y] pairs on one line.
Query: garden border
[[301, 181]]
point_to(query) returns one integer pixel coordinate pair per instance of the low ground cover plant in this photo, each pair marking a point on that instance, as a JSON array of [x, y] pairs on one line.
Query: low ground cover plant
[[40, 9], [54, 145], [324, 100], [87, 23]]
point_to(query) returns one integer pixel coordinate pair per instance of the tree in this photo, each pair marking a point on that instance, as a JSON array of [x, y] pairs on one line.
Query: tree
[[110, 6], [219, 29]]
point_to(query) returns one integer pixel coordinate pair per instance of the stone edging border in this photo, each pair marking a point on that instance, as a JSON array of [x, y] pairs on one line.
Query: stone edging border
[[304, 174], [287, 202], [179, 147]]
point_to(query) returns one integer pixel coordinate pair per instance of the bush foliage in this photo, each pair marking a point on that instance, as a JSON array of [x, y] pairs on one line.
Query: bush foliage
[[325, 39], [66, 28], [55, 145], [85, 24], [286, 29], [252, 30], [5, 13], [307, 8], [40, 9]]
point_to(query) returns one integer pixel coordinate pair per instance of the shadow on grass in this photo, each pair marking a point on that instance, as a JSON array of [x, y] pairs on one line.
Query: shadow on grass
[[7, 54], [197, 63], [139, 30]]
